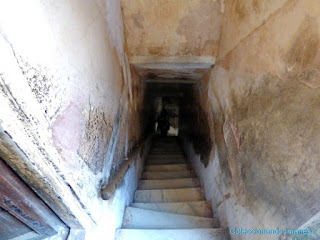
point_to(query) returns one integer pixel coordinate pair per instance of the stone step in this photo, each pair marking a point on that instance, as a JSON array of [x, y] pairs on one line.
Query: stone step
[[199, 208], [165, 161], [173, 234], [167, 167], [147, 219], [168, 183], [169, 195], [168, 175]]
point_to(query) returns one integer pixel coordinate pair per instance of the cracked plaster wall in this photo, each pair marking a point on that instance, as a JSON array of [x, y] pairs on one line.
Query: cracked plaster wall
[[62, 83]]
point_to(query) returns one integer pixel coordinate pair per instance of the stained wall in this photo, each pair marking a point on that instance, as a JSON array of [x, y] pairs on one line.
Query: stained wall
[[171, 27], [66, 94], [264, 96]]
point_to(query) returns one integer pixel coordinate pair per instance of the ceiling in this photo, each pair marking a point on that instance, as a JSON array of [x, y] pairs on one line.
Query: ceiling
[[183, 70]]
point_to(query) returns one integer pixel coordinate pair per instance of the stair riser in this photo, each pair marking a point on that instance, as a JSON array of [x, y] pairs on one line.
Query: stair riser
[[146, 219], [162, 168], [164, 161], [167, 175], [200, 208], [169, 184], [169, 195]]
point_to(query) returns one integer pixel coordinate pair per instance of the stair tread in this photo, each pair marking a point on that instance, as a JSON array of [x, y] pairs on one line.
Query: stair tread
[[167, 167], [173, 234], [168, 175], [169, 195], [148, 219], [165, 161], [168, 183], [196, 208]]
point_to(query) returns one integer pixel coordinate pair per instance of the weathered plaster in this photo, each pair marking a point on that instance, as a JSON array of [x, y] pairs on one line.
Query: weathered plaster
[[243, 17], [68, 90], [263, 92], [62, 77], [171, 27], [67, 128]]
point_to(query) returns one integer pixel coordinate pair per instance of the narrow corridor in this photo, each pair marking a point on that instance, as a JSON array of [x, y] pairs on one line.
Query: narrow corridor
[[88, 86]]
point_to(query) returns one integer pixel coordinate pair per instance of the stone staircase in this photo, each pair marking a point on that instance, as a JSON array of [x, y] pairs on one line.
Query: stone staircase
[[169, 203]]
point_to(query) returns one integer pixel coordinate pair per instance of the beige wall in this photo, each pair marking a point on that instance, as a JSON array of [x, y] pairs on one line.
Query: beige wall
[[171, 27], [61, 89], [265, 97], [242, 18]]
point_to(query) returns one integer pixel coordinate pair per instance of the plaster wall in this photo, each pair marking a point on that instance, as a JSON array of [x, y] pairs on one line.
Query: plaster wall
[[263, 170], [172, 27], [63, 84]]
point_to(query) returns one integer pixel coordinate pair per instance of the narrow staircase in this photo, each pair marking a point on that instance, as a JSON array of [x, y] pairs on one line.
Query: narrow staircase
[[169, 203]]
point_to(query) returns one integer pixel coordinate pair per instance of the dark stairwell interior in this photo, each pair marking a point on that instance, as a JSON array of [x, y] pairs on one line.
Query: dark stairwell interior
[[169, 201]]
